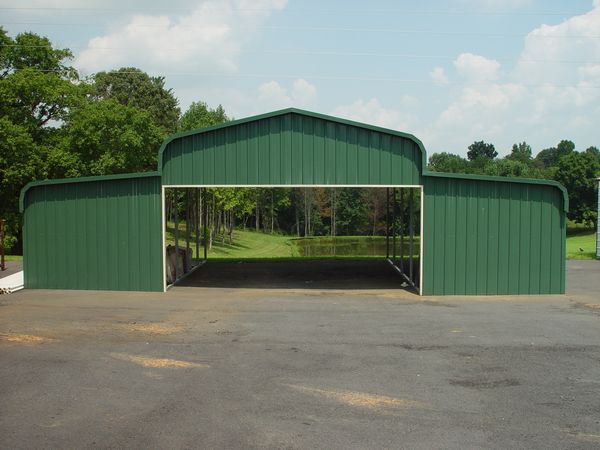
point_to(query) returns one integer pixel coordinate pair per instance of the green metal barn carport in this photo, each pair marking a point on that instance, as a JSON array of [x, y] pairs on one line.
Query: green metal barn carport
[[479, 235]]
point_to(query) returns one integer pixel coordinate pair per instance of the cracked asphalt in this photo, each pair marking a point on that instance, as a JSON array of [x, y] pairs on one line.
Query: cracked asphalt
[[309, 367]]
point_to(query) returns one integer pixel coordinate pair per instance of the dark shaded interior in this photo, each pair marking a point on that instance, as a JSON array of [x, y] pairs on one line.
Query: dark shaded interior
[[312, 274]]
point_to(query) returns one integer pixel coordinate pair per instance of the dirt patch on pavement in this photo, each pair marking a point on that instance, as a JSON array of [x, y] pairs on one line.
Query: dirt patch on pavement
[[588, 306], [27, 339], [481, 383], [359, 399], [158, 363], [153, 328]]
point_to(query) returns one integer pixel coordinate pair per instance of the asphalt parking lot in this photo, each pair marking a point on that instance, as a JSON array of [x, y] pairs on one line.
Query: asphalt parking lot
[[308, 367]]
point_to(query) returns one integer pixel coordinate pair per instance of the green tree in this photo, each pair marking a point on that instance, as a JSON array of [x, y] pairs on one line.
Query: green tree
[[521, 152], [508, 167], [38, 88], [111, 138], [594, 152], [480, 154], [549, 157], [132, 87], [29, 50], [199, 115], [19, 164], [578, 173], [351, 212], [480, 149], [447, 162]]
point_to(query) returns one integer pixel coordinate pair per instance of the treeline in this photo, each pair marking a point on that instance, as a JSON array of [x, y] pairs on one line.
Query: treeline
[[56, 124], [576, 170], [294, 211]]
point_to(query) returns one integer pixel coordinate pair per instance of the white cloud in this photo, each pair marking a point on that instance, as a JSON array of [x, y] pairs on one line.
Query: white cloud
[[304, 93], [374, 113], [272, 95], [575, 39], [552, 93], [476, 68], [208, 39], [439, 76]]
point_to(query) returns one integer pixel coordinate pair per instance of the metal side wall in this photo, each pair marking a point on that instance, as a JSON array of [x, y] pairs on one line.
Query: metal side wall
[[492, 237], [94, 235], [292, 149]]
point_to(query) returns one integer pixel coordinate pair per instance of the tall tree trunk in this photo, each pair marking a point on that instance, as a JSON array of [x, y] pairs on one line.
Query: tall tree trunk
[[222, 225], [231, 225], [272, 213], [297, 212], [333, 212], [310, 216], [305, 212], [257, 214], [374, 216]]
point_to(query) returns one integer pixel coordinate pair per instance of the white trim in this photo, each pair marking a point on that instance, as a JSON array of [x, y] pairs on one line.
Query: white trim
[[292, 185], [421, 243], [412, 186], [164, 239]]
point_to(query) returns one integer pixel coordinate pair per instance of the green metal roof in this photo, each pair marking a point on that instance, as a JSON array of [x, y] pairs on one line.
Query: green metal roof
[[537, 181], [282, 112], [425, 171], [120, 176]]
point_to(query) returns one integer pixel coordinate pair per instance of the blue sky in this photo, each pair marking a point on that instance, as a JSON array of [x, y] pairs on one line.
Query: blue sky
[[450, 72]]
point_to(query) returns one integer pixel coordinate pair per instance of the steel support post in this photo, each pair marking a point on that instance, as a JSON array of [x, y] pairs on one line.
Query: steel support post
[[197, 221], [394, 225], [187, 227], [401, 207], [411, 234], [205, 227], [176, 233]]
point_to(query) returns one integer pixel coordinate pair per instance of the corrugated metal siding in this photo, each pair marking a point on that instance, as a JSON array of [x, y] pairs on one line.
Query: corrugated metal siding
[[94, 235], [291, 149], [491, 237]]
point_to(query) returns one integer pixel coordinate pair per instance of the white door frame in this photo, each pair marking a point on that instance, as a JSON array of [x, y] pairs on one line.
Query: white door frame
[[175, 186]]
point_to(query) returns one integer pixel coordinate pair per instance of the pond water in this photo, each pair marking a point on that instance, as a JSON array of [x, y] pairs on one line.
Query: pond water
[[349, 246]]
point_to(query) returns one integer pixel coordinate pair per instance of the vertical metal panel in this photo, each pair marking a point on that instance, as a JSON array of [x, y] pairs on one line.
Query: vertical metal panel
[[291, 148], [94, 235], [513, 241]]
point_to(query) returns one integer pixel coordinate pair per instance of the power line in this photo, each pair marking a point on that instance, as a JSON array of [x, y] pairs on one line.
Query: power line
[[301, 11], [315, 53], [327, 77], [344, 29]]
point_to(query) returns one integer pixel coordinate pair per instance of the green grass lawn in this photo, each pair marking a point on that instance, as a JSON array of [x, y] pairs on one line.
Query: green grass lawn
[[13, 258], [246, 244], [252, 246], [581, 239]]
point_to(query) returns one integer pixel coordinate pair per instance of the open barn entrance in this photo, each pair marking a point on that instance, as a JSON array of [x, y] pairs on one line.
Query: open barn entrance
[[325, 237]]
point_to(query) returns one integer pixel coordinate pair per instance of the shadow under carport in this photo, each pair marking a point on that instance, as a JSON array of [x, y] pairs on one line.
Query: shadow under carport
[[304, 274]]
